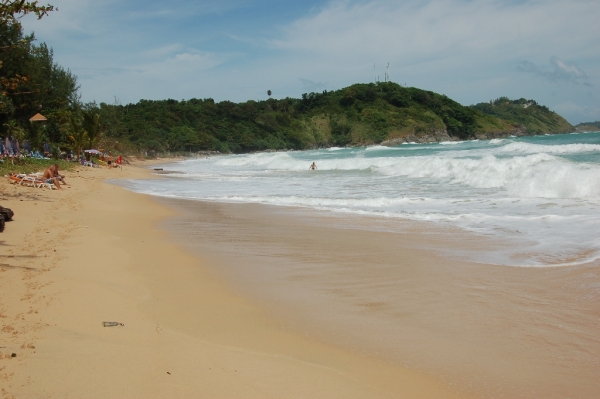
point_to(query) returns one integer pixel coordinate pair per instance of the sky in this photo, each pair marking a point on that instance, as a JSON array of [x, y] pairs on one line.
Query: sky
[[470, 50]]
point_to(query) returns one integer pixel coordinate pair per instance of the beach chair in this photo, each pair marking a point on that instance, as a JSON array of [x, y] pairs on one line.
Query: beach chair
[[29, 181], [24, 179], [41, 183], [16, 179]]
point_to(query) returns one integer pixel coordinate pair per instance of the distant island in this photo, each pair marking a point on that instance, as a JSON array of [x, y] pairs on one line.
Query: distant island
[[361, 114]]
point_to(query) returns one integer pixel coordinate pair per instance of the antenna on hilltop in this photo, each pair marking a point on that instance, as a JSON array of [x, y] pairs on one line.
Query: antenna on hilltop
[[387, 73], [375, 72]]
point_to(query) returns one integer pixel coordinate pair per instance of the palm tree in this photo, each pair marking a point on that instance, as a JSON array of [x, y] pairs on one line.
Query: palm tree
[[93, 127], [14, 130], [76, 133]]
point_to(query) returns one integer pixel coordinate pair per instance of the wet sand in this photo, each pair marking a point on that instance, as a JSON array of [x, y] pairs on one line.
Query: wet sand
[[385, 290], [72, 259]]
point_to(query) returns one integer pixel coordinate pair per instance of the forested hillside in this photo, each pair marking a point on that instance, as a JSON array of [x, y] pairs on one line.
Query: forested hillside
[[356, 115], [538, 119], [588, 126]]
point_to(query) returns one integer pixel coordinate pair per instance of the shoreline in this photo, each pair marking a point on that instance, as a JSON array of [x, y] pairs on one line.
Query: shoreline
[[495, 330], [93, 253]]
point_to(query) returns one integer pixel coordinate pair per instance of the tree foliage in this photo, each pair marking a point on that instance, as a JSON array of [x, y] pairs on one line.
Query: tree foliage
[[358, 114], [12, 10], [30, 80], [13, 45], [536, 118]]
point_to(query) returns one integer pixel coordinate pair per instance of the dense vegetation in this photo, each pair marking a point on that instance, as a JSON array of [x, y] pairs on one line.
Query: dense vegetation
[[359, 114], [589, 126], [538, 119], [31, 82]]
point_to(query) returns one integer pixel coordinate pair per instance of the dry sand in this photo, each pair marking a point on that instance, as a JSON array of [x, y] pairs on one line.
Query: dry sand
[[72, 259]]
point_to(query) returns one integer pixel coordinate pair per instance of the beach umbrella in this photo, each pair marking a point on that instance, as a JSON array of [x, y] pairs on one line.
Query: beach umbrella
[[93, 151], [38, 118]]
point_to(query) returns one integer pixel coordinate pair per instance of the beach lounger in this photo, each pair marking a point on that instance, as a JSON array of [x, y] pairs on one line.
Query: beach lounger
[[40, 183], [17, 179], [29, 181], [24, 179], [33, 180]]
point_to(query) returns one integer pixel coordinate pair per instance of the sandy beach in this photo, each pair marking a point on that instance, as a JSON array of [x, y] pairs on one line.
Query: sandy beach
[[390, 290], [93, 252]]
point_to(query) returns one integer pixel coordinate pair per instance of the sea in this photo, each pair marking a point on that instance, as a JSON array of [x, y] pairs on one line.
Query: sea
[[538, 195]]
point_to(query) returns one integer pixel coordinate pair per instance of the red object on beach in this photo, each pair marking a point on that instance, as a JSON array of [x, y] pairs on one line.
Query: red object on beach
[[119, 160]]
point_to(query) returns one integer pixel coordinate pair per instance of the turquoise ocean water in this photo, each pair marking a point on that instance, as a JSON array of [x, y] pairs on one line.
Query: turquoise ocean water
[[540, 195]]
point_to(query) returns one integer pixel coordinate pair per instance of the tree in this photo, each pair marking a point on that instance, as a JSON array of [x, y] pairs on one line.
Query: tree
[[14, 130], [14, 47], [92, 127], [12, 10], [30, 80], [76, 133]]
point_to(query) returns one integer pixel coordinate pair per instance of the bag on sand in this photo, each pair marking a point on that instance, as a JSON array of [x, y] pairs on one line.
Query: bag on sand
[[1, 223], [8, 213]]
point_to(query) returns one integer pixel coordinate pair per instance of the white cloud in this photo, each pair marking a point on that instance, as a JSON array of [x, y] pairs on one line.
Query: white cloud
[[182, 63], [422, 31], [560, 72], [568, 69], [163, 51]]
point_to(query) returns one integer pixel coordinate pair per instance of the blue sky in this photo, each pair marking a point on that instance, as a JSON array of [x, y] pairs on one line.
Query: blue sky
[[472, 51]]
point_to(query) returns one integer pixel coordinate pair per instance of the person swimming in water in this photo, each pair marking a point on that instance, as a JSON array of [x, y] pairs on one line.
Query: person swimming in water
[[313, 166]]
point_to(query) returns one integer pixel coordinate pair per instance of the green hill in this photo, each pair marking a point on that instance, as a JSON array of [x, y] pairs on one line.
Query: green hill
[[537, 119], [588, 126], [356, 115]]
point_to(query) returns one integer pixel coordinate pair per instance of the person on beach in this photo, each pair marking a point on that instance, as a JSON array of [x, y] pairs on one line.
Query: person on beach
[[313, 166], [49, 177], [58, 175]]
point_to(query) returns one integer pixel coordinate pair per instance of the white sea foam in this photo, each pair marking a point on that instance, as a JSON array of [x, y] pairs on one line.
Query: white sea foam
[[541, 194], [451, 142], [529, 148], [378, 148]]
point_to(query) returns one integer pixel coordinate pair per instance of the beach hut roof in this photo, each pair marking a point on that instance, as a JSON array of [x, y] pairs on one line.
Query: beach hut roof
[[38, 118]]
